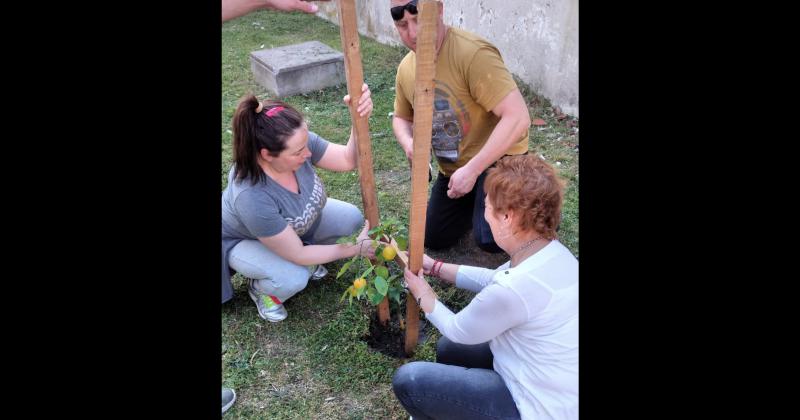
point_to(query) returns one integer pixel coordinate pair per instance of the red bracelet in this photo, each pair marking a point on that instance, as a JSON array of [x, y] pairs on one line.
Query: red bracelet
[[434, 270]]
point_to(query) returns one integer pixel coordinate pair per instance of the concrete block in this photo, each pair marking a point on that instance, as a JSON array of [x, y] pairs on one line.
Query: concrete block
[[299, 68]]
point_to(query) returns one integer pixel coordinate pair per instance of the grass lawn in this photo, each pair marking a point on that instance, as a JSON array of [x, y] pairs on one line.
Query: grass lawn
[[315, 364]]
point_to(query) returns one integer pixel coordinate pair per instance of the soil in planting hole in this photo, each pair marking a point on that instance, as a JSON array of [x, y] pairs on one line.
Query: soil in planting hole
[[390, 340]]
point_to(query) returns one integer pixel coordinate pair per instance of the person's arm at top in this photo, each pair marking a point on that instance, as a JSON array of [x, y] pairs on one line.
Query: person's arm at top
[[234, 8], [514, 120]]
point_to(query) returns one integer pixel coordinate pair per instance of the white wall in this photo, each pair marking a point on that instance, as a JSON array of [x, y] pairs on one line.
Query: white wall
[[537, 38]]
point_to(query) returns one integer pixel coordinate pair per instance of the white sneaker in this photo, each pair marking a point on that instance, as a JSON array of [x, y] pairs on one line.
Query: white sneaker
[[319, 273], [269, 307], [228, 398]]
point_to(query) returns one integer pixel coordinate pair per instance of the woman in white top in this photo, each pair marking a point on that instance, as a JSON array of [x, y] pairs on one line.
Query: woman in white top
[[513, 351]]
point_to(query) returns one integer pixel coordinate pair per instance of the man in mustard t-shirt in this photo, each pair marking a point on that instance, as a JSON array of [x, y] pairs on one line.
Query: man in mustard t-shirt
[[479, 116]]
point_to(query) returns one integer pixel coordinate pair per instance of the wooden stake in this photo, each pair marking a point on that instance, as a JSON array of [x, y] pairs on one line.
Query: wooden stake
[[423, 122], [351, 47]]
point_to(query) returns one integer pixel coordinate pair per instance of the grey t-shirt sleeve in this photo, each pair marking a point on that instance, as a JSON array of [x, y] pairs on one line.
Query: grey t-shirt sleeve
[[317, 145], [259, 213]]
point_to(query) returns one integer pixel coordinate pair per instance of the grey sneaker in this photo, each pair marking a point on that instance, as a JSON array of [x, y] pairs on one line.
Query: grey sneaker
[[228, 398], [319, 273], [269, 307]]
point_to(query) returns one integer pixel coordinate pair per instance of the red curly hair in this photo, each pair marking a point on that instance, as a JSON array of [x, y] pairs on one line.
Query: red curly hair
[[530, 187]]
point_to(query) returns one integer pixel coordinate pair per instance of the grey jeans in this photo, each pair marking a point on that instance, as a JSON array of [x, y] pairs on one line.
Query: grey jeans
[[281, 278], [461, 385]]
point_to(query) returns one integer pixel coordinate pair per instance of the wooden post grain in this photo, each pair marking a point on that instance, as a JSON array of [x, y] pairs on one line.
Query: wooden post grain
[[423, 122], [351, 47]]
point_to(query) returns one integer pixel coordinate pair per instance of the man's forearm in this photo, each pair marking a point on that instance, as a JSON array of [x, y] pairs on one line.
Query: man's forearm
[[403, 132], [505, 134]]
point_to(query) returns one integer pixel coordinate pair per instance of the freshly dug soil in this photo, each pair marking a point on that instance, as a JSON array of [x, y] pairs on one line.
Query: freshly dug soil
[[390, 340]]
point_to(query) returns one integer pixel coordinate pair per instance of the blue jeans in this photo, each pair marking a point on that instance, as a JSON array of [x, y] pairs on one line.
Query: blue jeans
[[281, 278], [461, 385]]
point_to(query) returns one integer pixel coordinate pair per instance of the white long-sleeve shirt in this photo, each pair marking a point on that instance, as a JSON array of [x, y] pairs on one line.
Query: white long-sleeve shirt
[[529, 314]]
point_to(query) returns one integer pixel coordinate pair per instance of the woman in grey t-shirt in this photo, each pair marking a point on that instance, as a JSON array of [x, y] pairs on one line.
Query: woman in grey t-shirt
[[278, 225]]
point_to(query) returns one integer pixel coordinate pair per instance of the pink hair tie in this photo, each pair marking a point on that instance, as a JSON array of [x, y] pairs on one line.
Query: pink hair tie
[[274, 111]]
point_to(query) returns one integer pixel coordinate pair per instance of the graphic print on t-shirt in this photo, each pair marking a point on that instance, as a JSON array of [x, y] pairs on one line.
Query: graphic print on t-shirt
[[450, 123], [316, 202]]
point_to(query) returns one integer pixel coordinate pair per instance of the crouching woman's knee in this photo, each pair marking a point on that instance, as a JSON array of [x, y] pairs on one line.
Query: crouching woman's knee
[[407, 378], [352, 221], [296, 278]]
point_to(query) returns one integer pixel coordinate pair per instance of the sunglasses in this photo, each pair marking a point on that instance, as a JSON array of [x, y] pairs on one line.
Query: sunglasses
[[399, 11]]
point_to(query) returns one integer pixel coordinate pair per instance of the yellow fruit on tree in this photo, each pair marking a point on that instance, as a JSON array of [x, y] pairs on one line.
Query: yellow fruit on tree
[[389, 253], [359, 283], [352, 291]]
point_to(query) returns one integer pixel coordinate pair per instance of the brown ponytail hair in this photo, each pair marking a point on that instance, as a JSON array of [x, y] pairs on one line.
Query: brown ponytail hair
[[268, 129]]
